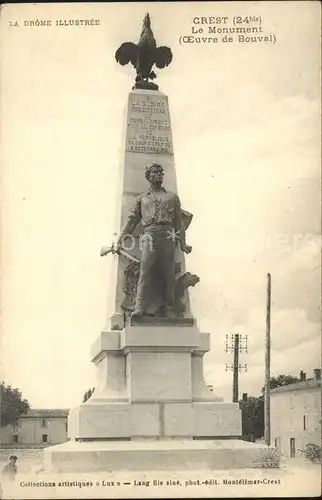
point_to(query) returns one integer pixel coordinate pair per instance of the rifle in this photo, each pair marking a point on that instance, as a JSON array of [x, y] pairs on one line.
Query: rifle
[[119, 251]]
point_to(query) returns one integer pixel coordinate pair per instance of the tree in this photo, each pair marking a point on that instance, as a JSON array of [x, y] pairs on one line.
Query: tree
[[88, 394], [12, 405], [252, 417], [280, 381]]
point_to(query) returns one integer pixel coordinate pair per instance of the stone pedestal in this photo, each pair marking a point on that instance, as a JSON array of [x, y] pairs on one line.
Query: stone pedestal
[[150, 384], [151, 393]]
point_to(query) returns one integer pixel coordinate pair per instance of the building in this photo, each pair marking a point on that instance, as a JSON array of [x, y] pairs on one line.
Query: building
[[296, 415], [37, 428]]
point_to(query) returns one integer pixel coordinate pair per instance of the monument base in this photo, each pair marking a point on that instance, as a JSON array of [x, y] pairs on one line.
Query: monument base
[[150, 384], [151, 455], [154, 420], [151, 408]]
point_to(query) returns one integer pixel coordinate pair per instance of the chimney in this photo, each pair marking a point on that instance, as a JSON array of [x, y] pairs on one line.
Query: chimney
[[244, 396], [317, 373], [302, 375]]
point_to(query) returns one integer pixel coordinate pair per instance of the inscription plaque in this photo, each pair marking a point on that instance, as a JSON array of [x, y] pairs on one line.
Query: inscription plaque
[[148, 126]]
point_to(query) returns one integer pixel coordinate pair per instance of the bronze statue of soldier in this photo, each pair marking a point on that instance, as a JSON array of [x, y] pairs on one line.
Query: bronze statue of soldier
[[160, 214]]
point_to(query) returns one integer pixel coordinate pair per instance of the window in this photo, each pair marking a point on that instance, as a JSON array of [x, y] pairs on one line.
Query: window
[[305, 422], [292, 447], [45, 438], [44, 422], [15, 438]]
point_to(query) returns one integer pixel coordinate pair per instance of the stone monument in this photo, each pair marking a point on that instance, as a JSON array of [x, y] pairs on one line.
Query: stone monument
[[151, 408]]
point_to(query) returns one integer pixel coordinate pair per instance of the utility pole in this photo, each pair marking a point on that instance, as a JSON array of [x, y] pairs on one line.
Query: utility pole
[[235, 369], [238, 347], [268, 364]]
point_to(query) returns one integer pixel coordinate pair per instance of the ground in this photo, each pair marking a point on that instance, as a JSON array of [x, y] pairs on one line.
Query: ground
[[295, 477]]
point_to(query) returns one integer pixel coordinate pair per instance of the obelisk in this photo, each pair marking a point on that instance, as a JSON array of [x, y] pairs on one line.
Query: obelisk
[[148, 138]]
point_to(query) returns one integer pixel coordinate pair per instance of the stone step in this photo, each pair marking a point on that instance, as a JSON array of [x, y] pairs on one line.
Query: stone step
[[157, 455]]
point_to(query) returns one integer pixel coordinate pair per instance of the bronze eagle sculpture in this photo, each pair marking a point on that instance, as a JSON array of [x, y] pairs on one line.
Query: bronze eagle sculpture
[[144, 55]]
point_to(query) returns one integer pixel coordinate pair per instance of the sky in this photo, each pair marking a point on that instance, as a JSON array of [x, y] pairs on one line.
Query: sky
[[246, 131]]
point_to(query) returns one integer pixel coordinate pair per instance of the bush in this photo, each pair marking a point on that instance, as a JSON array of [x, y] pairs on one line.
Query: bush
[[312, 452]]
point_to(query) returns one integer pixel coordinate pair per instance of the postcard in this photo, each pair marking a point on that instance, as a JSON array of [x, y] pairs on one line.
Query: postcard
[[160, 250]]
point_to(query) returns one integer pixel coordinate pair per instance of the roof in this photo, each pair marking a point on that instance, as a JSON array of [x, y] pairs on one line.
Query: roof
[[45, 413], [298, 386]]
